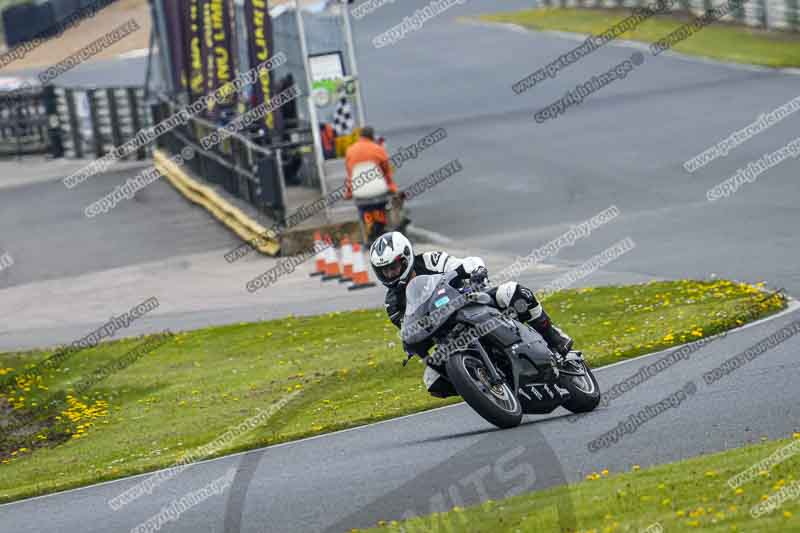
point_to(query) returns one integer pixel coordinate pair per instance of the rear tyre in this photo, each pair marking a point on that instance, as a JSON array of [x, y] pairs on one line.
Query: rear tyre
[[583, 389], [499, 405]]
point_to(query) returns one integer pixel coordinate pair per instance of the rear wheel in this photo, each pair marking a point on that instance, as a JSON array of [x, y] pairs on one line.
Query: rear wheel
[[583, 388], [498, 404]]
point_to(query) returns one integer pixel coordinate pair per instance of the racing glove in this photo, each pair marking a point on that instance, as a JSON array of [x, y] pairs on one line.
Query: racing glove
[[395, 308], [479, 276]]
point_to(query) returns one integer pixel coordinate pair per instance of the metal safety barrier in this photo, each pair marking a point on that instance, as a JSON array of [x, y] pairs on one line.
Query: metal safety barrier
[[25, 125], [92, 121], [72, 122]]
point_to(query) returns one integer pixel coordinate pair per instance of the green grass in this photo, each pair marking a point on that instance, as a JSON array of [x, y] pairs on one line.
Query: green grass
[[690, 495], [727, 42], [346, 367]]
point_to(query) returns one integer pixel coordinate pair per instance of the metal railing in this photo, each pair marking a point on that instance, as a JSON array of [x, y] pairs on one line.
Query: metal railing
[[243, 164]]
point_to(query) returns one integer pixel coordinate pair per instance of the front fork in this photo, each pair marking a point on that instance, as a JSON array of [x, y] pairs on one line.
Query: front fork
[[494, 376]]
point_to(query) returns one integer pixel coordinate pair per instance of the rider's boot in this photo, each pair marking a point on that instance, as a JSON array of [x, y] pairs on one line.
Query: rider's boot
[[557, 340]]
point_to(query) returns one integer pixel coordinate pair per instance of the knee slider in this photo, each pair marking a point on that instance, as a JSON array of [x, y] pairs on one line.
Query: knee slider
[[524, 302]]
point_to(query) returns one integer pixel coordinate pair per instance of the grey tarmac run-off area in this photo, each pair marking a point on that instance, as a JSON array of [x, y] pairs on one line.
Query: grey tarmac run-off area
[[523, 183]]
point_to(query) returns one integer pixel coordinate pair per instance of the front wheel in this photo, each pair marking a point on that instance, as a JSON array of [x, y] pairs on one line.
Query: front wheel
[[583, 388], [498, 404]]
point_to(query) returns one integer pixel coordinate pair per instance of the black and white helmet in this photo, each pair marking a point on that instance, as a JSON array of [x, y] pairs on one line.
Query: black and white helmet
[[392, 258]]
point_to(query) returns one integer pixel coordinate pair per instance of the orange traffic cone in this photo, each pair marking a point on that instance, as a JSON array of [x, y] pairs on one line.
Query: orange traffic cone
[[360, 274], [347, 261], [331, 262], [319, 259]]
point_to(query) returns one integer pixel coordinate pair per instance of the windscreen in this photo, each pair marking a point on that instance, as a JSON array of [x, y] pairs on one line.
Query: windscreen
[[420, 291]]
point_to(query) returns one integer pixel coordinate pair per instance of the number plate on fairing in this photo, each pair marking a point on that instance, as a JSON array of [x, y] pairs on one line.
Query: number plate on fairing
[[444, 300]]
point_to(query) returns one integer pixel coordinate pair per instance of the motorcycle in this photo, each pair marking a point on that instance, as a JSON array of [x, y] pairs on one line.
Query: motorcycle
[[501, 367]]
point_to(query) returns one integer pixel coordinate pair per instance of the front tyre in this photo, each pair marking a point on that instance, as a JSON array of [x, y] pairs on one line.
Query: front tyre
[[498, 405], [583, 388]]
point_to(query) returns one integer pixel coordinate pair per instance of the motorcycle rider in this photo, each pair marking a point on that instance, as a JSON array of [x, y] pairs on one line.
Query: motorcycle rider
[[395, 264]]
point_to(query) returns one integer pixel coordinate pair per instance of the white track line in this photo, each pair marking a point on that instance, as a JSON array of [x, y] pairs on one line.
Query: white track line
[[428, 235], [793, 306], [133, 54]]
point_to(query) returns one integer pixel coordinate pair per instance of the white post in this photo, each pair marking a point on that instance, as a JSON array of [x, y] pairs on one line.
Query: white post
[[312, 109], [767, 20], [351, 52]]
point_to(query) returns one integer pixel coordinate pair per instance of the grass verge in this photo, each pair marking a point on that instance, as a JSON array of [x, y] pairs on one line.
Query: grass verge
[[684, 496], [726, 42], [183, 392]]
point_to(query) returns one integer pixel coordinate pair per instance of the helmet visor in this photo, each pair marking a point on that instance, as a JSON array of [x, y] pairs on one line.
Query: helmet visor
[[392, 272]]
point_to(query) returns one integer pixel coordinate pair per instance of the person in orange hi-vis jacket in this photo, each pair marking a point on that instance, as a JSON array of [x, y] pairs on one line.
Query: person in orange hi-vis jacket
[[369, 181]]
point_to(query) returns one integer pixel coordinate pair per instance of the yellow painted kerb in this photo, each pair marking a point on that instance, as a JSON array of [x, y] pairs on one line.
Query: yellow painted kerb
[[242, 225]]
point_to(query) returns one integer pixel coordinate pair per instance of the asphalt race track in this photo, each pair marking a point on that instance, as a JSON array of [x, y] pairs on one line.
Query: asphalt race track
[[625, 145], [522, 184], [58, 241]]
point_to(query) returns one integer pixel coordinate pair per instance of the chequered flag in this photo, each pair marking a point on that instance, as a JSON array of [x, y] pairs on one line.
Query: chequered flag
[[343, 120]]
